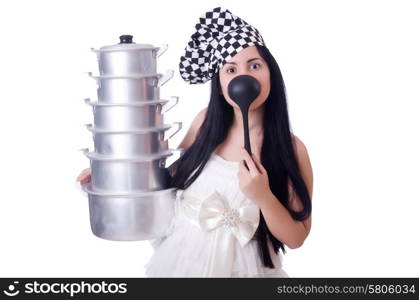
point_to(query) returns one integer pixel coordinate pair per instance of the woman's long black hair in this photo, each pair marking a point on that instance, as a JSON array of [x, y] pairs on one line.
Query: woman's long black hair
[[277, 156]]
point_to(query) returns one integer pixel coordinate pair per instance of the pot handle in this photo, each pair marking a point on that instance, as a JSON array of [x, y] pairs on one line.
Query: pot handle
[[89, 102], [84, 150], [181, 151], [162, 163], [96, 52], [162, 49], [179, 127], [88, 126], [165, 78], [174, 100]]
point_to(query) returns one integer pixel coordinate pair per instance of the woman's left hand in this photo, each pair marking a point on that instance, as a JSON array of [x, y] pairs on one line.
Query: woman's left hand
[[254, 183]]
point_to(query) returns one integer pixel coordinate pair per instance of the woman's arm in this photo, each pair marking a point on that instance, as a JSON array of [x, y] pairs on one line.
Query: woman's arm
[[278, 219], [189, 138], [193, 130]]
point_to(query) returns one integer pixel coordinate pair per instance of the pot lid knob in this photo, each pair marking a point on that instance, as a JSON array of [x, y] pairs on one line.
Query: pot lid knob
[[125, 39]]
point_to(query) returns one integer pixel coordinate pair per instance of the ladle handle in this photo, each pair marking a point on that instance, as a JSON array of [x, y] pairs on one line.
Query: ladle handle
[[246, 135]]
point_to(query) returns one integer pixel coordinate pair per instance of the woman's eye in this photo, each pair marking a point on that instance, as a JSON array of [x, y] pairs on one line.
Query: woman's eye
[[230, 70], [255, 66]]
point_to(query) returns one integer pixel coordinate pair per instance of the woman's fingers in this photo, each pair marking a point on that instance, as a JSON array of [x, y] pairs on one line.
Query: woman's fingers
[[85, 174], [249, 161], [86, 180], [242, 167], [259, 164], [80, 177]]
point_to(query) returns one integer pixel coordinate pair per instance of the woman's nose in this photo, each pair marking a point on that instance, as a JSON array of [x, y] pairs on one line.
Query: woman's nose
[[242, 71]]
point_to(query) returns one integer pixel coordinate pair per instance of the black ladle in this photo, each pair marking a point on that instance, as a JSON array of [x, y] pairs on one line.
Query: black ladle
[[243, 90]]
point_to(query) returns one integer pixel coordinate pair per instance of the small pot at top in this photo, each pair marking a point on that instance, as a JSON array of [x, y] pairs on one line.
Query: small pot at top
[[128, 58]]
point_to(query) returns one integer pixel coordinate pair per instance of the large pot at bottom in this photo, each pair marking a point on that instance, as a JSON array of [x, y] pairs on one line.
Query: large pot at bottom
[[132, 217]]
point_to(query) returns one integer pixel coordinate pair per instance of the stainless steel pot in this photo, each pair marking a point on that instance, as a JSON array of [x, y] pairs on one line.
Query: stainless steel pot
[[130, 88], [128, 57], [130, 116], [129, 175], [130, 217], [131, 143]]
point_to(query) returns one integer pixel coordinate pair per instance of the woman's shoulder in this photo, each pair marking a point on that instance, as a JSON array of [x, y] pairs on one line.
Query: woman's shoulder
[[298, 144], [304, 162], [300, 150], [199, 118], [190, 136], [193, 129]]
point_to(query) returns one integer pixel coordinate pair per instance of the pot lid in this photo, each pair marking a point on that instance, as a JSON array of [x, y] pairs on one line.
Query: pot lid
[[126, 43]]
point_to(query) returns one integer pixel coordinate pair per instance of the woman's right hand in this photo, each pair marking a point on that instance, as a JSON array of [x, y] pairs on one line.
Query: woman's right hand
[[85, 176]]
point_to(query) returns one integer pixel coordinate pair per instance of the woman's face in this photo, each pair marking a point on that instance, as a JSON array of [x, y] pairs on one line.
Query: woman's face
[[247, 62]]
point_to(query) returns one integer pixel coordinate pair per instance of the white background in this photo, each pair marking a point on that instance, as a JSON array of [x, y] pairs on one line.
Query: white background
[[351, 71]]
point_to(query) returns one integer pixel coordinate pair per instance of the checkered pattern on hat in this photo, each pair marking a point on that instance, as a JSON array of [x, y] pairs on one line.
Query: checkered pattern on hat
[[218, 37]]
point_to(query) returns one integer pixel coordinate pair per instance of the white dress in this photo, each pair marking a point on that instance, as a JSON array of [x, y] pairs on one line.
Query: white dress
[[212, 231]]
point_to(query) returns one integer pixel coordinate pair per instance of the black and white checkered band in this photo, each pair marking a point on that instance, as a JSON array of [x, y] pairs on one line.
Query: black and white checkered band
[[219, 36]]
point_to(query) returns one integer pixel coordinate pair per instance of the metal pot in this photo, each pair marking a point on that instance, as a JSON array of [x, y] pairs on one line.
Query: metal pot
[[128, 175], [131, 143], [130, 116], [128, 57], [130, 217], [130, 88]]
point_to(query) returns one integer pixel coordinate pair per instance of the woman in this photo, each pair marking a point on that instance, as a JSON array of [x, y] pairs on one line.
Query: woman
[[231, 221]]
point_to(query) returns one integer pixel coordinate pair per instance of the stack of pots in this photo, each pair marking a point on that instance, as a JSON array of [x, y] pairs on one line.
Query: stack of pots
[[129, 193]]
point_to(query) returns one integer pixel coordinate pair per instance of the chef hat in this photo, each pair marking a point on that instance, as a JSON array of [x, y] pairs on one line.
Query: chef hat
[[218, 37]]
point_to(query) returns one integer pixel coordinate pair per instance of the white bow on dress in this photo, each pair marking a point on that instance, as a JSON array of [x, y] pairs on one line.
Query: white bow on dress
[[215, 213]]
